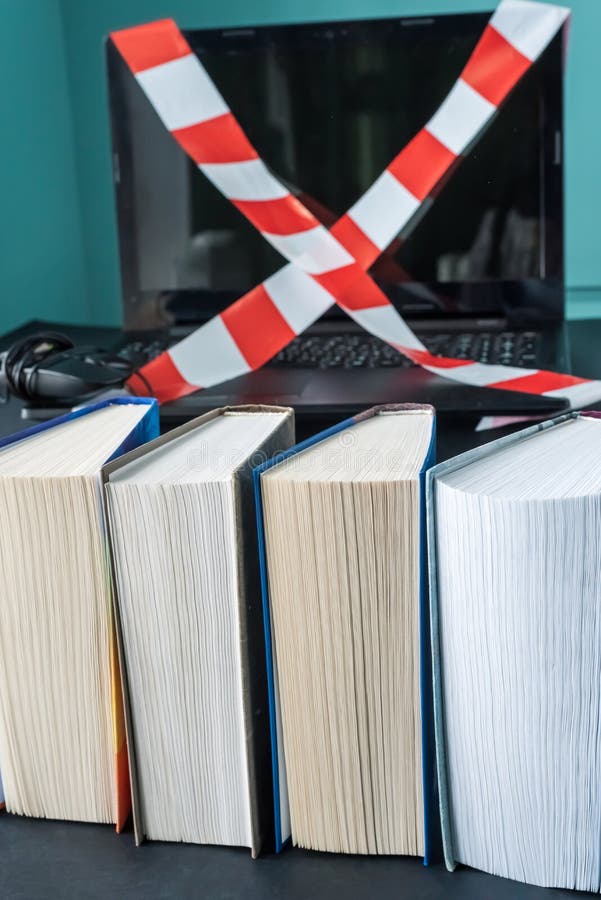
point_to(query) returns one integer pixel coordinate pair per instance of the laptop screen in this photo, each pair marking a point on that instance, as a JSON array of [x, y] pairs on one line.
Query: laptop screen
[[328, 106]]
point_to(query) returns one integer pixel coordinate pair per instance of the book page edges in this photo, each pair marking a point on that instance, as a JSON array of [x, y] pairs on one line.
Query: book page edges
[[282, 839], [442, 468], [145, 429], [114, 465]]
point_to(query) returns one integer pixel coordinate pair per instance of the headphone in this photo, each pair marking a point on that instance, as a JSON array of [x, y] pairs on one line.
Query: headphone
[[46, 368]]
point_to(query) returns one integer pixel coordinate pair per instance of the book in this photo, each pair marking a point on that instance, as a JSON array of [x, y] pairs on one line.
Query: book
[[341, 529], [190, 626], [62, 740], [516, 638]]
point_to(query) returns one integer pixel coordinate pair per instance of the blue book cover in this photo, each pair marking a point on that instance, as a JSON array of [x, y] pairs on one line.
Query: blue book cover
[[146, 429], [280, 790]]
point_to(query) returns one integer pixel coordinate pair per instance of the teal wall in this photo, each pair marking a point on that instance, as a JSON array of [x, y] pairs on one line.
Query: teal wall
[[41, 250], [63, 259]]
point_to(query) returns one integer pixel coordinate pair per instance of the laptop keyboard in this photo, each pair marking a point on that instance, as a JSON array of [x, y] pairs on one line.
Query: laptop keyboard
[[363, 351], [358, 351]]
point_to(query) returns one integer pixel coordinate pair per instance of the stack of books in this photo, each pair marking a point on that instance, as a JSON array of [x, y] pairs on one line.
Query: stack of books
[[268, 642]]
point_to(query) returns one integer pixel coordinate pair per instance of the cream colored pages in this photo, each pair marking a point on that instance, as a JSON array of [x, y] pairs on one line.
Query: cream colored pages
[[56, 744], [174, 538], [342, 525]]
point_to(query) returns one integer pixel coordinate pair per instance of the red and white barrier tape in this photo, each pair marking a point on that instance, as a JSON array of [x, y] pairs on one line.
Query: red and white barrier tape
[[329, 266]]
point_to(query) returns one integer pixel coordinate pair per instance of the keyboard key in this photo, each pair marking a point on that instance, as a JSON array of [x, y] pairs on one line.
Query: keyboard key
[[356, 351]]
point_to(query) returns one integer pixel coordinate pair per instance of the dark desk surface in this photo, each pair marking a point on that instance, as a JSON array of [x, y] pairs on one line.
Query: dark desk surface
[[70, 861]]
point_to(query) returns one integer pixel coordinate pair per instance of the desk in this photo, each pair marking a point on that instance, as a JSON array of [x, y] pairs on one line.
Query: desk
[[71, 861], [455, 434]]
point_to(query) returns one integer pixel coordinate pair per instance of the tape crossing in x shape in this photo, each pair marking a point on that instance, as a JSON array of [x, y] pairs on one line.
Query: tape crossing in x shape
[[328, 267]]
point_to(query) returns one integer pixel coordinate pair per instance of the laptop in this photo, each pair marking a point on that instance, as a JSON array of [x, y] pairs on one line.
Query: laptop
[[328, 105]]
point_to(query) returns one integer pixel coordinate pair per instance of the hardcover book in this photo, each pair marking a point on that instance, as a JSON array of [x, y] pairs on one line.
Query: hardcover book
[[516, 635], [184, 550], [341, 533], [62, 741]]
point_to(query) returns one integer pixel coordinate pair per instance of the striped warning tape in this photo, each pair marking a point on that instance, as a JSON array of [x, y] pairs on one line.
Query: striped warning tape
[[324, 266]]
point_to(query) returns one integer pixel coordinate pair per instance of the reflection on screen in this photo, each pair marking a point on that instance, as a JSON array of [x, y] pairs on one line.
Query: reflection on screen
[[327, 114]]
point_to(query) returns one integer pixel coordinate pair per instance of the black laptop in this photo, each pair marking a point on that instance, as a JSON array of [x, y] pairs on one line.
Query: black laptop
[[328, 106]]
